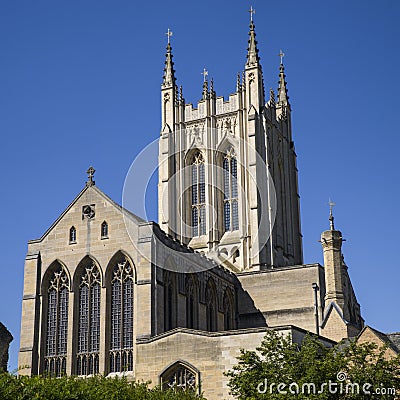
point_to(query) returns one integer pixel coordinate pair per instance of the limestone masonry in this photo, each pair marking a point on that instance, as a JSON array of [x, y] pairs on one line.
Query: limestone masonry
[[174, 302]]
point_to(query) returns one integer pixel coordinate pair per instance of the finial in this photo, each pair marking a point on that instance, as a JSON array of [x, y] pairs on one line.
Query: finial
[[252, 11], [238, 86], [331, 217], [90, 172], [205, 74], [272, 96], [182, 100], [169, 34], [212, 91], [281, 55]]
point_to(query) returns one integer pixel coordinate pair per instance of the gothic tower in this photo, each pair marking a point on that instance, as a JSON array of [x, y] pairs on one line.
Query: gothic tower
[[227, 170]]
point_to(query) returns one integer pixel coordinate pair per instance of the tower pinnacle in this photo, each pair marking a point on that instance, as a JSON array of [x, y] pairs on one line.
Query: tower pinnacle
[[252, 51], [283, 98], [331, 217], [169, 72]]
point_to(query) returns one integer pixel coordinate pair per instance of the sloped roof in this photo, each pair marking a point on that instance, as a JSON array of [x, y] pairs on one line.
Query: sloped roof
[[395, 339], [129, 214], [391, 339]]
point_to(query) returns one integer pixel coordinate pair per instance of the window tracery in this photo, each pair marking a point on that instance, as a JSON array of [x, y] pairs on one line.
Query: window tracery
[[179, 376], [87, 362], [55, 359], [231, 212], [198, 195], [122, 301]]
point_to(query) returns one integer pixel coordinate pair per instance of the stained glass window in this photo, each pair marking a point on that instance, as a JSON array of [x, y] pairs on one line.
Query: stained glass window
[[179, 376], [55, 359], [87, 362], [122, 291], [231, 212], [198, 196]]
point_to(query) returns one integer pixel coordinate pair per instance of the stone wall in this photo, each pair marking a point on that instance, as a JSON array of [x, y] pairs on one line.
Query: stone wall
[[5, 340]]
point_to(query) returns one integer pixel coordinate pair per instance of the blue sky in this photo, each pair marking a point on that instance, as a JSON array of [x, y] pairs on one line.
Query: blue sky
[[79, 85]]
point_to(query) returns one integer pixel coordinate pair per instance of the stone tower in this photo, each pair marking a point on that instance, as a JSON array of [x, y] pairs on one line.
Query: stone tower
[[342, 315], [227, 170]]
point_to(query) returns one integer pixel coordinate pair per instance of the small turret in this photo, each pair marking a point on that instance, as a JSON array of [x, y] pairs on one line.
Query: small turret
[[331, 241]]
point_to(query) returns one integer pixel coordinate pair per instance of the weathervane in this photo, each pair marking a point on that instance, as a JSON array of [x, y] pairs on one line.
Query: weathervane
[[252, 11], [331, 217], [281, 55], [169, 34], [205, 74]]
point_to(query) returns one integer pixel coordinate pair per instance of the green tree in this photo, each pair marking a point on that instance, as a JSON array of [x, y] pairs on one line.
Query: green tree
[[93, 388], [280, 369]]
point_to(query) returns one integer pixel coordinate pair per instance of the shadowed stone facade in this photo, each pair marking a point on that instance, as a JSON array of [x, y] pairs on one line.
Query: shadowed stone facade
[[107, 292], [5, 340]]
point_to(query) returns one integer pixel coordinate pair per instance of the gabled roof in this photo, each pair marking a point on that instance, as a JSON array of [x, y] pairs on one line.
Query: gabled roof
[[395, 339], [333, 306], [126, 212], [391, 339]]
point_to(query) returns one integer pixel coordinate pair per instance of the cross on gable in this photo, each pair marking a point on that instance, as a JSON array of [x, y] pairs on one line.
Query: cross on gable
[[90, 172]]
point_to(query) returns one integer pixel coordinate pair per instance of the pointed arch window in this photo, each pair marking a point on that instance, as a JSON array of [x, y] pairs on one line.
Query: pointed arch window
[[229, 315], [169, 301], [72, 235], [198, 196], [231, 212], [55, 360], [122, 290], [104, 230], [87, 362], [180, 376], [211, 307], [191, 303]]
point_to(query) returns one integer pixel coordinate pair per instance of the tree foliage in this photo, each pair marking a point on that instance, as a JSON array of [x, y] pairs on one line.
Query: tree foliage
[[93, 388], [312, 371]]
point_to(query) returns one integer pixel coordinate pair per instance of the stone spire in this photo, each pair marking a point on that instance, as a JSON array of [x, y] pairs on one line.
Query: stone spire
[[283, 98], [253, 59], [169, 72]]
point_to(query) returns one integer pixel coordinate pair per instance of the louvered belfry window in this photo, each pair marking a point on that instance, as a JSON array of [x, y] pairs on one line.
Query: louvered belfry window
[[198, 195], [231, 217]]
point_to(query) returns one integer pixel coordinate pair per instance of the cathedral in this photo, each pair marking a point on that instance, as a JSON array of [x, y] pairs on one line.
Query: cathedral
[[173, 302]]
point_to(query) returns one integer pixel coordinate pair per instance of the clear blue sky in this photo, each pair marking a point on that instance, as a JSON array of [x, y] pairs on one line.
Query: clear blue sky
[[79, 85]]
